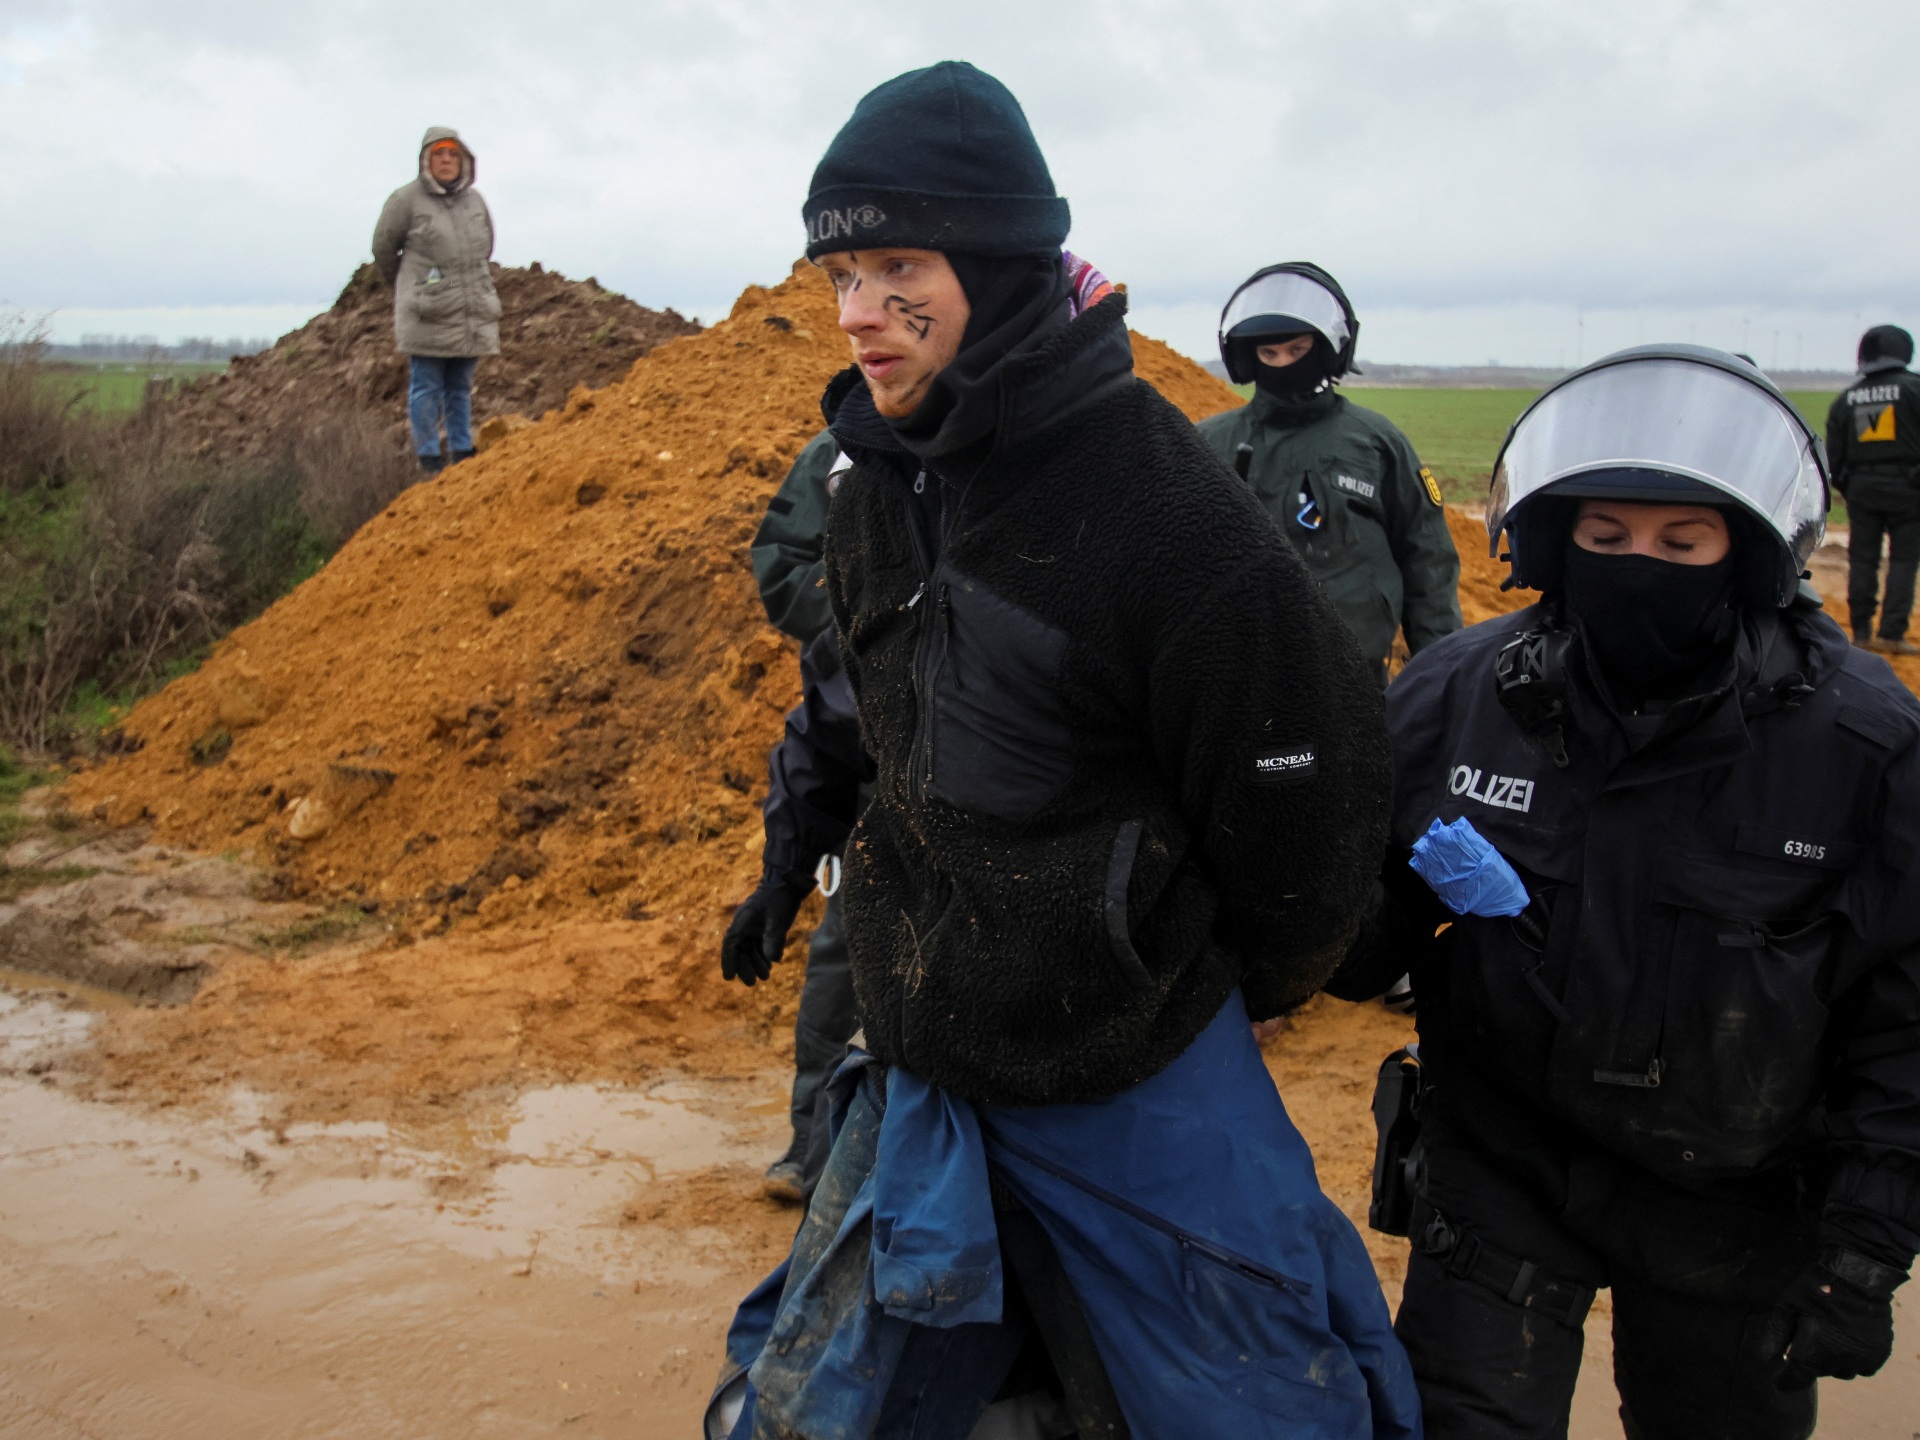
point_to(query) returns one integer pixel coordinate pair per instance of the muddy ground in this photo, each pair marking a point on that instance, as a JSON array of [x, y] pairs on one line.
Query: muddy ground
[[560, 1262], [486, 1183]]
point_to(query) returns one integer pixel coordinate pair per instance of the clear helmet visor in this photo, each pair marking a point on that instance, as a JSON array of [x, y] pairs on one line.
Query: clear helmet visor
[[1661, 415], [1282, 298]]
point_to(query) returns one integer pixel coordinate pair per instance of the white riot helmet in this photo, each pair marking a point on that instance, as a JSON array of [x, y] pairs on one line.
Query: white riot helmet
[[1291, 299], [1675, 423]]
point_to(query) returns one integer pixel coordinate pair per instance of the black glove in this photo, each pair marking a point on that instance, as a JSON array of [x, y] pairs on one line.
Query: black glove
[[1836, 1318], [758, 934]]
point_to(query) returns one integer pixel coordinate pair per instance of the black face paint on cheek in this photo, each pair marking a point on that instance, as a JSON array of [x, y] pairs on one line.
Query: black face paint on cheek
[[910, 311]]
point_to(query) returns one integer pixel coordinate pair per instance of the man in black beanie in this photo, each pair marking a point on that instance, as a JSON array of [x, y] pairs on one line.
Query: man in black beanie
[[1129, 783], [1873, 444]]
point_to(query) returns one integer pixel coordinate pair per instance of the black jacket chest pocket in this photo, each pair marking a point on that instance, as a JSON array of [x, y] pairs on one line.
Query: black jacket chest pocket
[[1776, 895], [1746, 997], [1803, 854], [1001, 742], [1359, 493]]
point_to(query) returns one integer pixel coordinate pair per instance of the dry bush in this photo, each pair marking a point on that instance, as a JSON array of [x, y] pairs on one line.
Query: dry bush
[[122, 558], [105, 586], [44, 440], [348, 470]]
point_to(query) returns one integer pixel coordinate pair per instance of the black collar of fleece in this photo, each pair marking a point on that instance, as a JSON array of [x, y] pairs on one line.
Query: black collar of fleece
[[1041, 381]]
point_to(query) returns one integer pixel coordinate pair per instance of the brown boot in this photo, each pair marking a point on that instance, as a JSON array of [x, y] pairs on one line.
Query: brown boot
[[1887, 645], [784, 1180]]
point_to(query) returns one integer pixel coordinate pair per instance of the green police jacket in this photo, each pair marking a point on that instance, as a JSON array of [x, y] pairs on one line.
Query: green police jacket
[[1382, 550], [790, 541]]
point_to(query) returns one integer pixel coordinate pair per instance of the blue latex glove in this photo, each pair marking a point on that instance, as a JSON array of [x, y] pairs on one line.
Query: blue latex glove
[[1466, 872]]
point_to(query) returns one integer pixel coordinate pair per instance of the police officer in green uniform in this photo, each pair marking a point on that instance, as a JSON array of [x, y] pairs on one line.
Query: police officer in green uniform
[[788, 546], [1873, 444], [1341, 480], [789, 569]]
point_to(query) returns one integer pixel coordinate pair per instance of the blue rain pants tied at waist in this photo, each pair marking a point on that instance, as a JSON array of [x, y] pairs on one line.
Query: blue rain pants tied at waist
[[1226, 1295]]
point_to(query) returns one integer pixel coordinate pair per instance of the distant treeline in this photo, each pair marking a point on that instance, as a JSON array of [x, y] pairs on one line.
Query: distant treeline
[[148, 348]]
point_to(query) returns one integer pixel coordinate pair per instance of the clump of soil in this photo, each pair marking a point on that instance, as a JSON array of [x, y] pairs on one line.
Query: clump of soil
[[555, 334]]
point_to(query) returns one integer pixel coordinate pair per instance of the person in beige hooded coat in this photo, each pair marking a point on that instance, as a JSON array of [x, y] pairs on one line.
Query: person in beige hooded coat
[[431, 244]]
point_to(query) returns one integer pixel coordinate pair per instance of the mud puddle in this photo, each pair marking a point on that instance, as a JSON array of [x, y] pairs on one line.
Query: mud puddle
[[111, 912], [567, 1267], [563, 1263]]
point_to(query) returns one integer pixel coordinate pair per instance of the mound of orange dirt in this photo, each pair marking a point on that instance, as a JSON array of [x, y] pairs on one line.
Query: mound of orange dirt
[[1197, 393], [540, 685]]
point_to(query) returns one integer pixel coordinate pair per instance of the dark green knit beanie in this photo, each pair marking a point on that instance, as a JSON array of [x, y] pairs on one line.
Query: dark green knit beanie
[[936, 159]]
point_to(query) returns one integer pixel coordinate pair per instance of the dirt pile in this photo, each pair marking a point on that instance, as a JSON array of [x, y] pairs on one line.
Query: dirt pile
[[537, 691], [540, 685], [555, 334], [1192, 389]]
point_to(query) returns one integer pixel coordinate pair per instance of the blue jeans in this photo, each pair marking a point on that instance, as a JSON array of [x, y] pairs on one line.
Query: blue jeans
[[441, 388]]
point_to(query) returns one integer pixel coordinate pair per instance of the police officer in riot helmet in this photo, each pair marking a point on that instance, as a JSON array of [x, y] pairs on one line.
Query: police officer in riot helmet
[[1873, 444], [1340, 480], [1650, 868]]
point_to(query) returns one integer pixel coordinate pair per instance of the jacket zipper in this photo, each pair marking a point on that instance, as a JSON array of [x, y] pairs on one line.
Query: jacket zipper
[[933, 627], [920, 758], [1189, 1244]]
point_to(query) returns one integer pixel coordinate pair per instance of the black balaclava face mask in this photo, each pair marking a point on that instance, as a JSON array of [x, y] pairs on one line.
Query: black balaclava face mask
[[1292, 382], [1008, 299], [1650, 625]]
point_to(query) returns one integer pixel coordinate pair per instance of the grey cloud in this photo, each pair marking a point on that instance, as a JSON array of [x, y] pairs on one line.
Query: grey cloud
[[1436, 153]]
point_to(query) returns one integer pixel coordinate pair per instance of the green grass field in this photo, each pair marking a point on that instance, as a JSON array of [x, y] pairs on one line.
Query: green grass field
[[1458, 432], [115, 387]]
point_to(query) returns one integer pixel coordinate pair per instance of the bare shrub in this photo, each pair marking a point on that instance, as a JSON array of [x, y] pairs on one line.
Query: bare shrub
[[44, 438], [123, 556], [348, 470], [120, 579]]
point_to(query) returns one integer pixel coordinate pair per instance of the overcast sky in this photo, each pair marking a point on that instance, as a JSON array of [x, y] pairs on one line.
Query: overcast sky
[[1524, 182]]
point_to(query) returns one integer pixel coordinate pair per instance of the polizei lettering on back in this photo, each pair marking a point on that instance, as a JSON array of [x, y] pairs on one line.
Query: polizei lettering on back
[[1873, 395], [832, 224], [1502, 792]]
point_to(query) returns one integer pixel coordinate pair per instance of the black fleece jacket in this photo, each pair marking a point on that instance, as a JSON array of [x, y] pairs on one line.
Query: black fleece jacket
[[1126, 755]]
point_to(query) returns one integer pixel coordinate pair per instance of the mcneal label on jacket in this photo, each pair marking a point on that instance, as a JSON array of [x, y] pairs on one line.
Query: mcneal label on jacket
[[1286, 765]]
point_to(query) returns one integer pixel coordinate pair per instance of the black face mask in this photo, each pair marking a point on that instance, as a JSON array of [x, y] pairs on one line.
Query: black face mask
[[1651, 625], [1008, 300], [1303, 377]]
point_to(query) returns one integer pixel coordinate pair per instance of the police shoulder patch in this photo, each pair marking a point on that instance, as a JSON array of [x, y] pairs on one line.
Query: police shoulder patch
[[1433, 486]]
